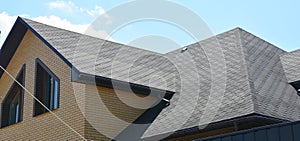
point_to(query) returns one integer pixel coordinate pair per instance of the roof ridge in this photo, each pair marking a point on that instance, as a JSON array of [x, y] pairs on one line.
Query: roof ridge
[[245, 62], [243, 30]]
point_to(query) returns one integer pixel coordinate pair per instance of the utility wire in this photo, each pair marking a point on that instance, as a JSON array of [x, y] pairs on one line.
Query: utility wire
[[42, 104]]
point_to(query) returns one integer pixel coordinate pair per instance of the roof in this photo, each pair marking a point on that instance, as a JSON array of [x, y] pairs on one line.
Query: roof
[[249, 79], [102, 58], [255, 83], [291, 64], [89, 55]]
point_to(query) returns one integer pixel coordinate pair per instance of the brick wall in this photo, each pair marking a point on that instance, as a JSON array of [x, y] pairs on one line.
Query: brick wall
[[47, 126], [118, 110]]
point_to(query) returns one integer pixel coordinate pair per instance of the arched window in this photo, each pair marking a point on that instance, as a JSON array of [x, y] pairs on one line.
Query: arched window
[[12, 105]]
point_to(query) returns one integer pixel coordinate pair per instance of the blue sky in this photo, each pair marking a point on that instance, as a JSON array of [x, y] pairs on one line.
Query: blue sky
[[273, 20]]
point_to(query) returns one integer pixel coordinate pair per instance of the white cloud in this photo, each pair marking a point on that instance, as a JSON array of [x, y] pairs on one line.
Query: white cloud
[[80, 28], [70, 7], [96, 11], [99, 11], [7, 21], [62, 5], [61, 23]]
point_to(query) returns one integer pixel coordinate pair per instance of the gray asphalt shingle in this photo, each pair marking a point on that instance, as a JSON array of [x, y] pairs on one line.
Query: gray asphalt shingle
[[251, 74]]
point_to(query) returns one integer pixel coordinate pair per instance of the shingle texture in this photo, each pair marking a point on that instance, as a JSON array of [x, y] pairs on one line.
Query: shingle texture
[[272, 94], [226, 76], [291, 65], [105, 58]]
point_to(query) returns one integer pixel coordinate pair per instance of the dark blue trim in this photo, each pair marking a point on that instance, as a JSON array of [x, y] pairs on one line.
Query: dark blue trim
[[39, 62], [45, 41], [120, 85], [11, 44], [217, 125], [102, 81], [15, 37], [249, 130]]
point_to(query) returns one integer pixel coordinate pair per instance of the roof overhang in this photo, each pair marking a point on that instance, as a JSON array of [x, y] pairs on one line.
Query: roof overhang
[[11, 44], [15, 37], [217, 125], [85, 78]]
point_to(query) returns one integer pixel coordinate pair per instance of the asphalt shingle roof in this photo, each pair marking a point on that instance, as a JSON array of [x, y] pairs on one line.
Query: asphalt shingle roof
[[291, 65], [105, 58], [254, 80]]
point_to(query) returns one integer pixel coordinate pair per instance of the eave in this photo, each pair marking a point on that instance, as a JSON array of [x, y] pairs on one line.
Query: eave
[[15, 37]]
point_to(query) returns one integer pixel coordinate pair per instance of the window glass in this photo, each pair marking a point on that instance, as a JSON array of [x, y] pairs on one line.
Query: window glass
[[14, 110], [12, 103], [55, 102], [47, 89]]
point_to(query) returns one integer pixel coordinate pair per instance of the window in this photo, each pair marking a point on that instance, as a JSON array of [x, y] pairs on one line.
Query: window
[[12, 105], [46, 89]]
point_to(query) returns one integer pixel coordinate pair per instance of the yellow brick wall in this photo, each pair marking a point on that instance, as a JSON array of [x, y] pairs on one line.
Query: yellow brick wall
[[122, 109], [47, 126]]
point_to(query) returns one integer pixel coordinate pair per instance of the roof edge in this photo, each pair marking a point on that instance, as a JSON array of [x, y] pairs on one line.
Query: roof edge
[[199, 128], [11, 44], [86, 78], [45, 41], [249, 130], [243, 30], [6, 53]]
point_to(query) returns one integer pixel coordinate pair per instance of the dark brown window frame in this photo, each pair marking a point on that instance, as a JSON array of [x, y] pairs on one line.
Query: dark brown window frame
[[9, 97], [38, 63]]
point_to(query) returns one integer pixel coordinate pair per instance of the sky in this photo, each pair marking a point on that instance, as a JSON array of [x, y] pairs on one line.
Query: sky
[[272, 20]]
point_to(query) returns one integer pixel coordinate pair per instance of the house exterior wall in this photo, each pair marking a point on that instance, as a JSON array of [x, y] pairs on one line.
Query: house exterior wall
[[47, 126], [119, 110]]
